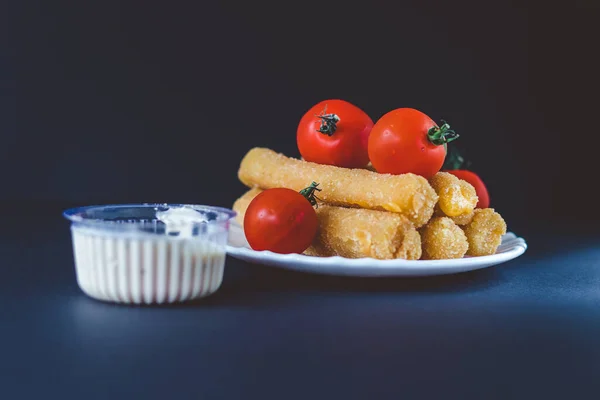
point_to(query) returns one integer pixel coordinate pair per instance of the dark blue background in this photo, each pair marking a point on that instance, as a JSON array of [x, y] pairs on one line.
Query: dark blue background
[[143, 101], [122, 101]]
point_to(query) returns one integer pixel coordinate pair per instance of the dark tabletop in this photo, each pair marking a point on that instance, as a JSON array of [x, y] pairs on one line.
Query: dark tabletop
[[529, 328]]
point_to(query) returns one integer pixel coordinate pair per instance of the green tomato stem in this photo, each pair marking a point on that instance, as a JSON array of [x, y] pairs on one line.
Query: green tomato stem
[[309, 194], [328, 123], [441, 135], [454, 160]]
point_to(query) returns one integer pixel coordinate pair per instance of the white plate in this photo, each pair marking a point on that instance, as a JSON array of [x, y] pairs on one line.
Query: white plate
[[511, 247]]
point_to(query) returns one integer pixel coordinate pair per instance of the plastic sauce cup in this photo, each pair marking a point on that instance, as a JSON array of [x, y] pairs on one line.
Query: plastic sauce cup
[[149, 253]]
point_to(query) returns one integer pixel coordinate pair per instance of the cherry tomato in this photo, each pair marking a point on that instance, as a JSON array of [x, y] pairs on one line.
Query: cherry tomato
[[406, 140], [335, 132], [281, 220], [475, 180]]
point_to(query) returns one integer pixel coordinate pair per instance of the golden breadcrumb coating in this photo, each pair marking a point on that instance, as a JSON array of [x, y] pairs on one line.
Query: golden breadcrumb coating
[[442, 239], [458, 220], [407, 194], [355, 233], [456, 196], [484, 232]]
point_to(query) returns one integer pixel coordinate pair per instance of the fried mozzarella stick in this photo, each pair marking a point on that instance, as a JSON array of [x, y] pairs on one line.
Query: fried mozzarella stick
[[355, 233], [457, 198], [442, 239], [484, 232], [407, 194]]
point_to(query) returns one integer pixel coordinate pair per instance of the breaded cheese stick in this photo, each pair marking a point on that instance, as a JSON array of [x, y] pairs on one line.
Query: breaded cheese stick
[[442, 239], [407, 194], [355, 233], [484, 232], [456, 196]]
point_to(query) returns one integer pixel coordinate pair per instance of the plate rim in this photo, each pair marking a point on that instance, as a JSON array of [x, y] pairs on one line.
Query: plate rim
[[517, 244]]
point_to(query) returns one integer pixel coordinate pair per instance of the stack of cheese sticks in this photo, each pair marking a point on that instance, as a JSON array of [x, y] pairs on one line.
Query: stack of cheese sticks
[[366, 214]]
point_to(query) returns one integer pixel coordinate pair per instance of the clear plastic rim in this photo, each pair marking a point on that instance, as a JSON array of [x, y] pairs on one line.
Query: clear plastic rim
[[77, 214]]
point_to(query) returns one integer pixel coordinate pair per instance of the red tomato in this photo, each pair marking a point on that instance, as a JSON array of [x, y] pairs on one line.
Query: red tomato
[[475, 180], [281, 220], [406, 140], [335, 132]]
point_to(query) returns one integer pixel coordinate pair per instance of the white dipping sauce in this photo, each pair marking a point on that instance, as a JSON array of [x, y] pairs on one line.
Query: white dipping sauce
[[134, 267], [180, 220]]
